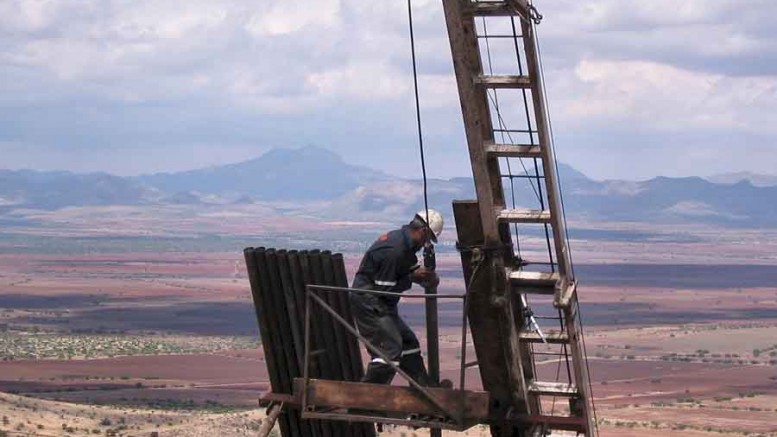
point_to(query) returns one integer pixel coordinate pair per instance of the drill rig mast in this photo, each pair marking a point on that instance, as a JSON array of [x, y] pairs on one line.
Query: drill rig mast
[[500, 281]]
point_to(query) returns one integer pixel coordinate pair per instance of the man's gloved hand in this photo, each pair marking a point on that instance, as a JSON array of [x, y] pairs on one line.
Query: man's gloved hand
[[435, 281], [425, 277]]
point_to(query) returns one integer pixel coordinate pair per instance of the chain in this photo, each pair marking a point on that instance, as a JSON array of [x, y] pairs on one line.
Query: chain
[[534, 14]]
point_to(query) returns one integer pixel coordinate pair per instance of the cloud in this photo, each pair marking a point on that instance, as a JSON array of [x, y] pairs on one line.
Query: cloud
[[288, 17], [222, 49], [665, 97], [124, 86], [725, 36]]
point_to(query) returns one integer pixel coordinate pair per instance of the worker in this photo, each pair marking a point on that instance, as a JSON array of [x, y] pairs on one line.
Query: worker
[[391, 265]]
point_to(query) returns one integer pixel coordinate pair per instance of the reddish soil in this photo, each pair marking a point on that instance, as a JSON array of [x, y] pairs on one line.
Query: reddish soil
[[207, 294]]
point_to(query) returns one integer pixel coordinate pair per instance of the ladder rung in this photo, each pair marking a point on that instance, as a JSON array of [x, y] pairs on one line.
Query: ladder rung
[[498, 8], [514, 150], [543, 290], [552, 389], [564, 295], [552, 337], [519, 82], [533, 282], [524, 216], [491, 9], [549, 354], [519, 277]]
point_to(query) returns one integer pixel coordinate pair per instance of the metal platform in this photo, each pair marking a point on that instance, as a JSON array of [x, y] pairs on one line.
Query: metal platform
[[352, 401]]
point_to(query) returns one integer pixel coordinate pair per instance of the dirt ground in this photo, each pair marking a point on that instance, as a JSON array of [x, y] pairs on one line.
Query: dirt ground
[[677, 349]]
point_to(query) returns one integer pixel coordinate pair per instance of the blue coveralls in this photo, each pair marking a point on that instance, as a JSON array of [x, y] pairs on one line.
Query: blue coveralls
[[387, 266]]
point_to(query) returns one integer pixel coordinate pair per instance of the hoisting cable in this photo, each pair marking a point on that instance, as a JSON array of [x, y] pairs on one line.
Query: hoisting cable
[[418, 108], [429, 256]]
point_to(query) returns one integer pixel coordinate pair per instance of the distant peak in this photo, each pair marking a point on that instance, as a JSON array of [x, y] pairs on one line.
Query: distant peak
[[304, 152]]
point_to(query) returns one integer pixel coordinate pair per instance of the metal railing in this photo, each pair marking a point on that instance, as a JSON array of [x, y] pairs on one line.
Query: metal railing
[[311, 296]]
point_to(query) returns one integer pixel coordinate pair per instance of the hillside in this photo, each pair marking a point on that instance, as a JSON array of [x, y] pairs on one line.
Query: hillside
[[59, 189], [321, 184], [309, 173], [29, 416], [759, 180]]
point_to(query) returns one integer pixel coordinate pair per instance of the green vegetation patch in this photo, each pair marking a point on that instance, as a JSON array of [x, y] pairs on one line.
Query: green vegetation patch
[[36, 346]]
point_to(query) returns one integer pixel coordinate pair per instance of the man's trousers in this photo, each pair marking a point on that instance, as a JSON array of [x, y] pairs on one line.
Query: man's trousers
[[379, 322]]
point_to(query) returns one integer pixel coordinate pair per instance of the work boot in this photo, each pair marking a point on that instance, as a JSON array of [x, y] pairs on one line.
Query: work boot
[[413, 365], [378, 373]]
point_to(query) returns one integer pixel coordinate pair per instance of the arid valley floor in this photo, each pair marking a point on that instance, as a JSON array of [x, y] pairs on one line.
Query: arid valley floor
[[130, 334]]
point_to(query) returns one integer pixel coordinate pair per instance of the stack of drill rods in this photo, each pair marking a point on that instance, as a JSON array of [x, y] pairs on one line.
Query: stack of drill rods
[[278, 279]]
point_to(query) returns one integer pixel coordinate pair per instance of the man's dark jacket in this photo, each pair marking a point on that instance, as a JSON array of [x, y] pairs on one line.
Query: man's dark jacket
[[388, 264]]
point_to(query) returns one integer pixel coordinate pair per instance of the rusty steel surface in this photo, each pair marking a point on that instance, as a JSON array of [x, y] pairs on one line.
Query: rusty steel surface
[[278, 279], [269, 422], [384, 419], [393, 399]]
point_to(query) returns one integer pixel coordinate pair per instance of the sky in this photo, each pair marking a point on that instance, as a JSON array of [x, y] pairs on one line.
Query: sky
[[636, 89]]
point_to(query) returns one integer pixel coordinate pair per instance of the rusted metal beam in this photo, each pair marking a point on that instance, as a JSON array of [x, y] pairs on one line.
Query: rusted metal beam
[[268, 399], [580, 366], [385, 293], [476, 113], [392, 399], [389, 420], [269, 422], [490, 318]]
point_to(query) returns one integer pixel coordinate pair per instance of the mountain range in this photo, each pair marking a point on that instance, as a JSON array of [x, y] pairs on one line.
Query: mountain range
[[340, 190], [757, 179]]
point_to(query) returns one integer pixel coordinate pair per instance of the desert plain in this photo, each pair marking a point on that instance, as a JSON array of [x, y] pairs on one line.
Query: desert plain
[[117, 324]]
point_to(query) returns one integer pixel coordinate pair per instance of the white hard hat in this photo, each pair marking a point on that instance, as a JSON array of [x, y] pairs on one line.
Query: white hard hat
[[435, 222]]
